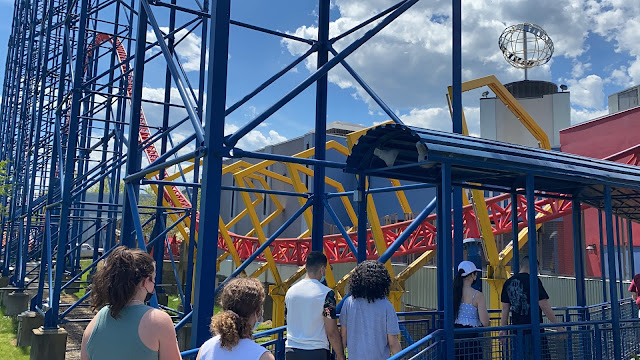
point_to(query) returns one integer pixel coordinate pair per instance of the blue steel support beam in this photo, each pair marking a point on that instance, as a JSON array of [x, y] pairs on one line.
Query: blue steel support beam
[[632, 260], [343, 231], [361, 200], [615, 305], [578, 253], [602, 251], [619, 251], [233, 139], [51, 317], [456, 103], [439, 250], [515, 259], [320, 135], [204, 290], [134, 155], [408, 231], [446, 267], [533, 268]]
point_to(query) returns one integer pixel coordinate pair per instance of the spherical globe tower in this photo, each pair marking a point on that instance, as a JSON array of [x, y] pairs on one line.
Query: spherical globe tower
[[525, 46]]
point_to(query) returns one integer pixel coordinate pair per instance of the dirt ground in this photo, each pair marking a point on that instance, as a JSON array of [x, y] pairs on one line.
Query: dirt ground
[[75, 329]]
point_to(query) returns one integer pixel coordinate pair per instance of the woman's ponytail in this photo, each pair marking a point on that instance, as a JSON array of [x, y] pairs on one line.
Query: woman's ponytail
[[230, 326], [457, 292]]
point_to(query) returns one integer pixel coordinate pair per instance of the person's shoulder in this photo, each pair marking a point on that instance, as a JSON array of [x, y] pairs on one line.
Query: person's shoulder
[[157, 317], [210, 344]]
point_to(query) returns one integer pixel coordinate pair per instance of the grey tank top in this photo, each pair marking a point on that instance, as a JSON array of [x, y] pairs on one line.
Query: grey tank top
[[118, 338]]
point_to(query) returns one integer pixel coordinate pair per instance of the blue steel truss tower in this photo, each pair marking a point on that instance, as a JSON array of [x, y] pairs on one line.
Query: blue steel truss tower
[[79, 146]]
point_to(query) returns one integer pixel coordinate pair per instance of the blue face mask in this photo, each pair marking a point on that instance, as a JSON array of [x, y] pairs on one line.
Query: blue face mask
[[258, 322]]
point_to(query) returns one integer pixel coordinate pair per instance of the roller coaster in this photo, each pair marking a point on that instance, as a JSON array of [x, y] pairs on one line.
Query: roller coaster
[[73, 89]]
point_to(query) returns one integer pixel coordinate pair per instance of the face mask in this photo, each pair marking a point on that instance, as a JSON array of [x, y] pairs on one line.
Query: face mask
[[150, 294], [258, 322]]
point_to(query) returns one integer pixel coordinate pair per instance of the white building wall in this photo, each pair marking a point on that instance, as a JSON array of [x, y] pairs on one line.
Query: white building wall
[[551, 112]]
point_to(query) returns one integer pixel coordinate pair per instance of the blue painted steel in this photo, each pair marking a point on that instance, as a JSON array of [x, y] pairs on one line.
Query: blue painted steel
[[233, 139], [447, 254], [440, 250], [533, 269], [361, 201], [619, 251], [515, 258], [270, 81], [632, 263], [387, 110], [578, 253], [408, 231], [50, 320], [615, 307], [343, 231], [204, 291], [134, 158], [175, 73], [602, 251], [458, 227], [239, 153], [266, 244]]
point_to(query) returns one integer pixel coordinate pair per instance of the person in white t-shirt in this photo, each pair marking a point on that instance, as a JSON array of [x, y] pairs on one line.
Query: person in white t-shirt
[[311, 315], [242, 302]]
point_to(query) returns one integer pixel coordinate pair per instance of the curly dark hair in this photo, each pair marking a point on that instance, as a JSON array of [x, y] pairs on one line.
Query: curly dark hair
[[240, 298], [115, 284], [370, 281]]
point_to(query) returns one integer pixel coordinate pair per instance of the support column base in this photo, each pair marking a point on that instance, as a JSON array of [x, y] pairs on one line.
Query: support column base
[[184, 337], [49, 344], [16, 303], [27, 322], [4, 291]]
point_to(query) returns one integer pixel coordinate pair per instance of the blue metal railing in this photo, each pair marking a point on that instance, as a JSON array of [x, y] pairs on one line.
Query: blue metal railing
[[587, 334]]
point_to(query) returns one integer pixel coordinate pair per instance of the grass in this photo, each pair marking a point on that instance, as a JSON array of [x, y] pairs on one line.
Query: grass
[[83, 265], [8, 348]]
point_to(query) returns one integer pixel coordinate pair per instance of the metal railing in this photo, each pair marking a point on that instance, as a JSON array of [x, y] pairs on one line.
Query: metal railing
[[587, 335]]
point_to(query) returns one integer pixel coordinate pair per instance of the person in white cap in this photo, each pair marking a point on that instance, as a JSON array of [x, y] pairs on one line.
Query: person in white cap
[[469, 311]]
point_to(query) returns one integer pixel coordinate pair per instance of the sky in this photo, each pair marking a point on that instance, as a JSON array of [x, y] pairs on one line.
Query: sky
[[408, 64]]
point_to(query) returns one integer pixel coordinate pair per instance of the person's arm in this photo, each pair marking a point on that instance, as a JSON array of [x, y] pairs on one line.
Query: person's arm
[[504, 318], [394, 344], [267, 355], [343, 334], [166, 334], [85, 339], [330, 317], [633, 290], [548, 312], [483, 313], [333, 334]]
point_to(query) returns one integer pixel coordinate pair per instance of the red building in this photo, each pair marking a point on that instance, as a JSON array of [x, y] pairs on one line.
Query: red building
[[598, 138]]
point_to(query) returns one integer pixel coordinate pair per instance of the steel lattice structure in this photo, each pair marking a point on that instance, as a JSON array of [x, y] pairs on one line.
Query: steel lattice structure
[[73, 100]]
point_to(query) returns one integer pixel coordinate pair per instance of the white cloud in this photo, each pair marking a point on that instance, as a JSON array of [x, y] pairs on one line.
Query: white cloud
[[587, 92], [409, 63], [188, 49], [579, 116], [433, 118], [255, 139]]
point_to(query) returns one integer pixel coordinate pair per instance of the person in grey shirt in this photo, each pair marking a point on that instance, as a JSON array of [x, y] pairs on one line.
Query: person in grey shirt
[[369, 324]]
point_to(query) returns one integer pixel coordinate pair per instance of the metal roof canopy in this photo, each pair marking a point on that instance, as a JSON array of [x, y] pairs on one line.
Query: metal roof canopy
[[416, 154]]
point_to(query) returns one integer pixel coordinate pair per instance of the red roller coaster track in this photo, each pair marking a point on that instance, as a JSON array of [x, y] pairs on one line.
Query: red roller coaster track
[[293, 251]]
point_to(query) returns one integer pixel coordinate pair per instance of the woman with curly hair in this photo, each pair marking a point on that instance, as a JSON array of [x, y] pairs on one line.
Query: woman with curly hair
[[125, 328], [241, 301], [369, 324]]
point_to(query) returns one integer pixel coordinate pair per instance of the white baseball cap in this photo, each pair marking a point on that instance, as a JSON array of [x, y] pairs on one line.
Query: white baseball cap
[[467, 267]]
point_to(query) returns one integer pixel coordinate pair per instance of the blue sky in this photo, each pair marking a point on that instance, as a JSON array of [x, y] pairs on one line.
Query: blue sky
[[597, 53]]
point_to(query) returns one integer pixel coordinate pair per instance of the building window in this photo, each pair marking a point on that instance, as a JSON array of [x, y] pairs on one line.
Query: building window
[[628, 99]]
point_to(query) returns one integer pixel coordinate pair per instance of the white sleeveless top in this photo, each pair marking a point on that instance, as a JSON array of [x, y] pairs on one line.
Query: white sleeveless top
[[305, 322], [246, 349]]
